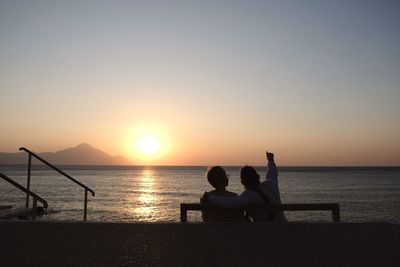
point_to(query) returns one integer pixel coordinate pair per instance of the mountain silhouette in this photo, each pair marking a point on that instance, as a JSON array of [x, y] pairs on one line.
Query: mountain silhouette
[[82, 154]]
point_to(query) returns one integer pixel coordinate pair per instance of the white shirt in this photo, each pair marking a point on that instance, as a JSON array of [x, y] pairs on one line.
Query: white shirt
[[270, 186]]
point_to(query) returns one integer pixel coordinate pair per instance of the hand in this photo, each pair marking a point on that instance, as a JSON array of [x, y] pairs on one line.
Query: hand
[[270, 157]]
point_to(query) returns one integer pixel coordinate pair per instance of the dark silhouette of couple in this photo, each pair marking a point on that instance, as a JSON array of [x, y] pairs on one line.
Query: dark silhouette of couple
[[255, 192]]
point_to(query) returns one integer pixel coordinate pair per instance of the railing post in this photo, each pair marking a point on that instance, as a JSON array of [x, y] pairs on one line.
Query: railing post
[[30, 153], [28, 181], [34, 208], [336, 213], [85, 207], [183, 213]]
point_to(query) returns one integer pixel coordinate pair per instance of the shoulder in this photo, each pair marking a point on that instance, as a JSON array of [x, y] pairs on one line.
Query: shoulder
[[223, 194], [267, 188], [264, 185], [250, 194], [231, 194], [213, 192], [267, 185]]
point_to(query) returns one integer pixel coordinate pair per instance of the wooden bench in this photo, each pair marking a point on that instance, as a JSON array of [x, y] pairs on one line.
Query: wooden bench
[[334, 207]]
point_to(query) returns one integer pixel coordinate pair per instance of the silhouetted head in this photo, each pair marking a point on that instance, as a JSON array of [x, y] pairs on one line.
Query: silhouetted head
[[217, 177], [249, 177]]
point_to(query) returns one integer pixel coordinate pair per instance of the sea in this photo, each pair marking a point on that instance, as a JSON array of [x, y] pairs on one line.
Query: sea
[[154, 193]]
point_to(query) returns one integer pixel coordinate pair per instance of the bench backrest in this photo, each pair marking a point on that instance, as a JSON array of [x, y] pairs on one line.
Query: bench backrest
[[334, 207]]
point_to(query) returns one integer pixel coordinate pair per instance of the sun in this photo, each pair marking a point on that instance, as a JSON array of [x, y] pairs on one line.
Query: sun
[[148, 145]]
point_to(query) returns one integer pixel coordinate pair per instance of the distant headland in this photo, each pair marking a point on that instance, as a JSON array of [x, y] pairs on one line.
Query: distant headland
[[82, 154]]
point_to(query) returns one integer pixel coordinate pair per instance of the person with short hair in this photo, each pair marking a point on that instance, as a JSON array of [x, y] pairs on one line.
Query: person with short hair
[[218, 178]]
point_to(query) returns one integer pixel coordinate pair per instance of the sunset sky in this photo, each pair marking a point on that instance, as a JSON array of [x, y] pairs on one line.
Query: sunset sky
[[212, 82]]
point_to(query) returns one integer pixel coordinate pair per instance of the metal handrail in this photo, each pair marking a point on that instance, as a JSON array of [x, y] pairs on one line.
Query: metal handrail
[[334, 207], [28, 192], [30, 153], [57, 169]]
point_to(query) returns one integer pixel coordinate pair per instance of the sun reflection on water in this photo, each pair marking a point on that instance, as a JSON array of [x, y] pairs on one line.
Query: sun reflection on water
[[144, 204]]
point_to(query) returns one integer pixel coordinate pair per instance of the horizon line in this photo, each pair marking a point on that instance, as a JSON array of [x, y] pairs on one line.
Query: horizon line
[[223, 165]]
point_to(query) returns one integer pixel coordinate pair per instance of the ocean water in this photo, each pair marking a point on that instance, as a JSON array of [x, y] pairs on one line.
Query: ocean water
[[153, 194]]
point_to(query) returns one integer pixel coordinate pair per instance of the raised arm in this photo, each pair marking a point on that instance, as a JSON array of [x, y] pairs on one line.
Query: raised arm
[[272, 170]]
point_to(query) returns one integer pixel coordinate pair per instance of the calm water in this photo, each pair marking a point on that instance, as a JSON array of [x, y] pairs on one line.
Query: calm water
[[154, 193]]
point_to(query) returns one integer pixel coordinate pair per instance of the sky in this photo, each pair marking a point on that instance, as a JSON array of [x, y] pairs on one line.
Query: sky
[[214, 82]]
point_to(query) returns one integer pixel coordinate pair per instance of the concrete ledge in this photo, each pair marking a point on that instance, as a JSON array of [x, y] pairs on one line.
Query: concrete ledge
[[198, 244]]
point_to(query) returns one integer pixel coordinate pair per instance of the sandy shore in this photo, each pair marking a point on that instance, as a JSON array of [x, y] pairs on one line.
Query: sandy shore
[[175, 244]]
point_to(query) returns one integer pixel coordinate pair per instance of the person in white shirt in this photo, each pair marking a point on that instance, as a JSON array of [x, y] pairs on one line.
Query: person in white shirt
[[256, 192]]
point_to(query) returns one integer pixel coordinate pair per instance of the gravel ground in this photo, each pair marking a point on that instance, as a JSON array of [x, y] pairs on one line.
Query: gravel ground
[[25, 243]]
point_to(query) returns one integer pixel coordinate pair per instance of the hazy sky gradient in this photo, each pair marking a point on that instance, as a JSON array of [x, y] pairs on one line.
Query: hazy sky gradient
[[317, 82]]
